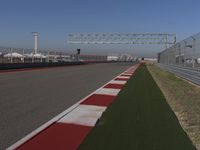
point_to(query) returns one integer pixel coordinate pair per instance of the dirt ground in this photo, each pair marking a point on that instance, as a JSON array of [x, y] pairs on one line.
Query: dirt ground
[[184, 99]]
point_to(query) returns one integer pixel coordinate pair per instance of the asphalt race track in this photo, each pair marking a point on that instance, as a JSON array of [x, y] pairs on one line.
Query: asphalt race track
[[28, 99]]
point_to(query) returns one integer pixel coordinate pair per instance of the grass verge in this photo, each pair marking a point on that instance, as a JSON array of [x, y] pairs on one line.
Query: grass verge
[[184, 99], [139, 119]]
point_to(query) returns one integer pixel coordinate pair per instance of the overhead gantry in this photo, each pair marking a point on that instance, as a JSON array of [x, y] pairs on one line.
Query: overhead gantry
[[123, 38]]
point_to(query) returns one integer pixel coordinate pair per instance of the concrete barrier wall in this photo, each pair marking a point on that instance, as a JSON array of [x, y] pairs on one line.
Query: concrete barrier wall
[[37, 65]]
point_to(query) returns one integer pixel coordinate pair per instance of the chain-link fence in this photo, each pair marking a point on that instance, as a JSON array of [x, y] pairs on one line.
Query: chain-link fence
[[185, 53]]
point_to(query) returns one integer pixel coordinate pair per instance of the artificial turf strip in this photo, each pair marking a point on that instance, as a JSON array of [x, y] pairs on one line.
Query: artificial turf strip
[[138, 119]]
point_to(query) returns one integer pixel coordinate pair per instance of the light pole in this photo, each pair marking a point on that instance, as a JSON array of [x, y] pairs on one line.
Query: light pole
[[23, 55], [11, 55], [35, 34]]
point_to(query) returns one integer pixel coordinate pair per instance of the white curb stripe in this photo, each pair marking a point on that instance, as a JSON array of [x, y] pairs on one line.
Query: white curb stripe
[[86, 115], [108, 91], [127, 74], [123, 77], [118, 82]]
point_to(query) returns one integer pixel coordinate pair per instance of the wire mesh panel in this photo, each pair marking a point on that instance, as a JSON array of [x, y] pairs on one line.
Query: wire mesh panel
[[185, 53]]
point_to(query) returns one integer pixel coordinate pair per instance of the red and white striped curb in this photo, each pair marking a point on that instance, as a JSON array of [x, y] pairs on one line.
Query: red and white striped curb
[[68, 129]]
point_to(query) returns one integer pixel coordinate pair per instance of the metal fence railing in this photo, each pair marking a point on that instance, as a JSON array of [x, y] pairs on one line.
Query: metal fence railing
[[20, 55], [185, 53], [193, 75]]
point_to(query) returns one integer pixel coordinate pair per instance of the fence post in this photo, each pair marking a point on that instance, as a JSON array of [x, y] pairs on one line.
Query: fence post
[[11, 57], [193, 57], [179, 51]]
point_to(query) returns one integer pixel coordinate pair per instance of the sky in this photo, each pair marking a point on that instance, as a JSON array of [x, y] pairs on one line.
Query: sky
[[55, 19]]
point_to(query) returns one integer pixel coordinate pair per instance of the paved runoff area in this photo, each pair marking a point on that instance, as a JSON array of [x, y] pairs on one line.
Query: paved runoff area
[[28, 99]]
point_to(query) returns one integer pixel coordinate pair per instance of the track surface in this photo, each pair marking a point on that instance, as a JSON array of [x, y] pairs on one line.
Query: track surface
[[29, 99]]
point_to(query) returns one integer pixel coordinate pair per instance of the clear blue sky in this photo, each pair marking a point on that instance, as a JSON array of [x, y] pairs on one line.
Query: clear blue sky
[[55, 19]]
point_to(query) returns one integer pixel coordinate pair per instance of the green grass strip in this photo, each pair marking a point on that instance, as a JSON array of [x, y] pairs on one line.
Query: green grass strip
[[139, 119]]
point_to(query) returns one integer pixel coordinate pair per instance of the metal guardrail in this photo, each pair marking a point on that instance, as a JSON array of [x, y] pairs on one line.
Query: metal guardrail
[[10, 66], [187, 73]]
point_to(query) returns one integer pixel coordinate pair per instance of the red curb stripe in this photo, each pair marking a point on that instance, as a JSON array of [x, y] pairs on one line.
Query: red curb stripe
[[121, 79], [59, 136], [99, 100], [114, 86]]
